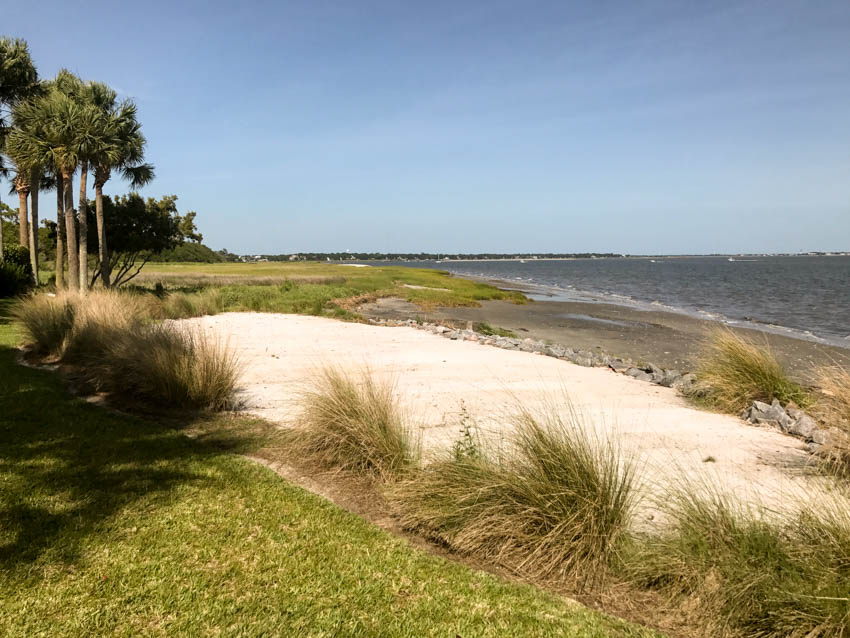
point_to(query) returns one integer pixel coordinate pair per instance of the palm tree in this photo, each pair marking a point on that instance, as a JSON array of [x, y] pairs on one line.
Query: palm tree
[[122, 149], [17, 78]]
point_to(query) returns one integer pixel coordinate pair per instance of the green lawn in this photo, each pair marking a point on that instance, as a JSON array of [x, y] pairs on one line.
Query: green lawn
[[114, 525]]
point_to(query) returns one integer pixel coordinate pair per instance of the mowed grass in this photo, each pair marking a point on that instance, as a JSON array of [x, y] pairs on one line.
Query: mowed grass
[[317, 288], [114, 525]]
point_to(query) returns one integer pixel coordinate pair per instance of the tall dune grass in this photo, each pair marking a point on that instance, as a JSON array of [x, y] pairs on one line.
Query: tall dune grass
[[354, 424], [734, 372], [115, 346], [46, 321], [741, 571], [833, 403], [556, 504]]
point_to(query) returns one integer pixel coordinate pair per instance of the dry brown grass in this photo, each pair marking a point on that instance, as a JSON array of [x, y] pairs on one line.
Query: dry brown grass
[[115, 346], [833, 402]]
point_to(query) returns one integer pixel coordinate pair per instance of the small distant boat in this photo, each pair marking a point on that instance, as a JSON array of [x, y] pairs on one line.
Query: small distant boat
[[731, 259], [522, 261], [651, 261]]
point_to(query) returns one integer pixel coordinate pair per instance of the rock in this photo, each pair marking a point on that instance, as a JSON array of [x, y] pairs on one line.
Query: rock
[[670, 377], [555, 350], [804, 426], [452, 334], [762, 412], [831, 437], [640, 375], [618, 364], [685, 383]]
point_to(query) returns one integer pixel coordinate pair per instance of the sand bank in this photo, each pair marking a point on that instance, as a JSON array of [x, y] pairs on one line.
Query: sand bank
[[438, 380]]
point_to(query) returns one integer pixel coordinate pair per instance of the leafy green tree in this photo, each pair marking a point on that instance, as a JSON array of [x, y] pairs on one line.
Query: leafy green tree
[[138, 229]]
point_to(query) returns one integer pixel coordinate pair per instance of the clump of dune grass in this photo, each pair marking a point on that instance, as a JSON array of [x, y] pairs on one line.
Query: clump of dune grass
[[555, 504], [115, 346], [180, 367], [45, 321], [739, 570], [354, 423], [833, 402], [734, 372], [100, 319]]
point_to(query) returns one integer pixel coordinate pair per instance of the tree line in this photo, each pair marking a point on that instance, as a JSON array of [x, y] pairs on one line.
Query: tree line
[[52, 131]]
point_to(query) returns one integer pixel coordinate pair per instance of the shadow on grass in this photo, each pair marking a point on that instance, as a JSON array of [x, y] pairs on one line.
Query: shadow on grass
[[67, 467]]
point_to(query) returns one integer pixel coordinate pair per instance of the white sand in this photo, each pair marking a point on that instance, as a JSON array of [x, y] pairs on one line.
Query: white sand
[[435, 377]]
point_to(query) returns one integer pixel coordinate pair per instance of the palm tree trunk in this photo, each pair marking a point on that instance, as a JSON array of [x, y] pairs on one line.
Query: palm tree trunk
[[60, 234], [2, 251], [71, 231], [84, 228], [34, 186], [23, 216], [102, 252]]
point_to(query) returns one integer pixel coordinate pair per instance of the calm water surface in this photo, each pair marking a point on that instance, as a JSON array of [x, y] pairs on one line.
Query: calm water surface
[[805, 296]]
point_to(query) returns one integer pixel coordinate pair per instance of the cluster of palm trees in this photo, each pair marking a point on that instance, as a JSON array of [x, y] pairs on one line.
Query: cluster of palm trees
[[52, 131]]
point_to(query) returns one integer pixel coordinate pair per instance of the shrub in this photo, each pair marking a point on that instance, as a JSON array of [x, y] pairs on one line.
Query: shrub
[[557, 504], [354, 425], [734, 372], [740, 571], [16, 276]]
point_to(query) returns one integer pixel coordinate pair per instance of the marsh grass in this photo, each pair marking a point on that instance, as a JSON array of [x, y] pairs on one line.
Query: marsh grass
[[733, 372], [208, 301], [743, 571], [555, 504], [354, 424]]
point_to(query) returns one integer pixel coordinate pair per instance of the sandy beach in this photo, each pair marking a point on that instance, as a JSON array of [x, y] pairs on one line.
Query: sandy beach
[[438, 380]]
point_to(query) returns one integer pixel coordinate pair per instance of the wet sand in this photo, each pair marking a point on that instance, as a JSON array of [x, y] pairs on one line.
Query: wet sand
[[667, 339]]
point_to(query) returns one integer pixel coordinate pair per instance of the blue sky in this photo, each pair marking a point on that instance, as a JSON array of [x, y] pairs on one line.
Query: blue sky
[[641, 127]]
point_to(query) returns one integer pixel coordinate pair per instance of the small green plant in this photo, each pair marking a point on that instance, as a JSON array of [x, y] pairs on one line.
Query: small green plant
[[466, 446], [491, 331], [734, 372]]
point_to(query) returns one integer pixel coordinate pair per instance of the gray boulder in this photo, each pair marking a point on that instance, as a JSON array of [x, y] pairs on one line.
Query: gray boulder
[[640, 375], [685, 383], [670, 377], [803, 427]]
